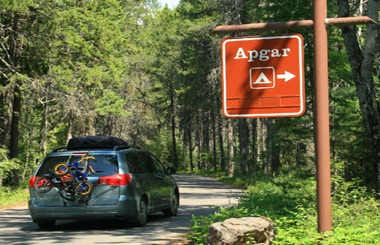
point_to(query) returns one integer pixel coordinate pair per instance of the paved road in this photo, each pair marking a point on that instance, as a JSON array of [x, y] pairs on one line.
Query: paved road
[[199, 196]]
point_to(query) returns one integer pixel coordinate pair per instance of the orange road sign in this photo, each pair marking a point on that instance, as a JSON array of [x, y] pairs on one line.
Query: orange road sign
[[263, 76]]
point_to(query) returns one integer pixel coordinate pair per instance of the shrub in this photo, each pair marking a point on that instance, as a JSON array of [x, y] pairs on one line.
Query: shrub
[[291, 203], [10, 197]]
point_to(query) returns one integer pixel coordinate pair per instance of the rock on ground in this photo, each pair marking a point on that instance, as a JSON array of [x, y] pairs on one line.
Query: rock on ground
[[239, 231]]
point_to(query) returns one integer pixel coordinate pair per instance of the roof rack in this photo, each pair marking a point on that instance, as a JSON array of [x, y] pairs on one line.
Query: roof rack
[[94, 142], [121, 147], [114, 148]]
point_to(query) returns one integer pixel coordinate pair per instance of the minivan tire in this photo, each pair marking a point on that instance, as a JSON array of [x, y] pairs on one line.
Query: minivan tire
[[173, 210], [142, 215], [46, 224]]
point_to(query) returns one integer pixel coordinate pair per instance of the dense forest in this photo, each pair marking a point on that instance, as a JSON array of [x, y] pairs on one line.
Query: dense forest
[[151, 75]]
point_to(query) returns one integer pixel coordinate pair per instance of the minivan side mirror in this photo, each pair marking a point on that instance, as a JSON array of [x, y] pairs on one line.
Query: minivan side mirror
[[171, 170]]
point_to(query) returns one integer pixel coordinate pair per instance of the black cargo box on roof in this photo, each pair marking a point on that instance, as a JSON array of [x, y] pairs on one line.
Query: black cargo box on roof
[[95, 142]]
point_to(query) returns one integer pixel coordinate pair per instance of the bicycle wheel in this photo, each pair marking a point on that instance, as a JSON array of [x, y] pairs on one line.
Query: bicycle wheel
[[61, 169], [84, 189], [43, 184]]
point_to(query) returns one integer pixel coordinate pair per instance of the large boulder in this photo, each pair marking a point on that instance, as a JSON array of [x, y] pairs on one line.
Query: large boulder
[[247, 230]]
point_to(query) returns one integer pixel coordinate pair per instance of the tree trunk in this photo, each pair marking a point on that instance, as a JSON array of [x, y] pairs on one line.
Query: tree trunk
[[172, 115], [44, 127], [230, 147], [14, 140], [4, 119], [15, 111], [362, 61], [213, 122], [205, 138], [243, 145], [198, 144], [69, 134], [263, 144], [253, 164], [190, 150], [221, 147], [272, 149]]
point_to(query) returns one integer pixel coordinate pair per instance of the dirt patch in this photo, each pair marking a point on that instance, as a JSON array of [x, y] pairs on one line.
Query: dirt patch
[[15, 205]]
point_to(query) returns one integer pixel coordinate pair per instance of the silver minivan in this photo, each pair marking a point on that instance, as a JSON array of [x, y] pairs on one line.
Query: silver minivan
[[101, 178]]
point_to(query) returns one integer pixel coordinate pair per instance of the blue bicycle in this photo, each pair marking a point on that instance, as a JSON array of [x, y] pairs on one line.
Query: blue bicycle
[[73, 185], [83, 187]]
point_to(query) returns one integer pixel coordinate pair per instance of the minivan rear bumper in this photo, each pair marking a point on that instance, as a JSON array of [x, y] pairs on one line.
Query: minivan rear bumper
[[124, 209]]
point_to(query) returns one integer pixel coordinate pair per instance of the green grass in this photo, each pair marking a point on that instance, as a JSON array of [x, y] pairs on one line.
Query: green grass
[[13, 197], [291, 203]]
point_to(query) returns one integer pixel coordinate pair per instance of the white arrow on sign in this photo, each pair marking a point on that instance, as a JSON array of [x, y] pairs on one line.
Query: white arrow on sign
[[287, 76]]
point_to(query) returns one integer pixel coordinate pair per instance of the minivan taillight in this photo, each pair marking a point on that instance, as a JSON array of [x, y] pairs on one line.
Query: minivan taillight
[[32, 180], [115, 180]]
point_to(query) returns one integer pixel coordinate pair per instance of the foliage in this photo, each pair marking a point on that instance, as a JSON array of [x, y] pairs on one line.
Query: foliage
[[291, 203], [13, 197], [151, 75], [6, 165], [71, 62]]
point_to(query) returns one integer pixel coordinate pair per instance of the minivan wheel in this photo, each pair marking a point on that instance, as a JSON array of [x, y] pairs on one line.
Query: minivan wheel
[[46, 224], [173, 210], [142, 215]]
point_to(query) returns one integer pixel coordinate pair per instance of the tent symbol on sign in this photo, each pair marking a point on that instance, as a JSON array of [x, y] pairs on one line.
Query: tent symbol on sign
[[262, 77]]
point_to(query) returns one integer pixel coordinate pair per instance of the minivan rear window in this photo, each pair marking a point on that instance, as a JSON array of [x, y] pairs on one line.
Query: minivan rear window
[[104, 165]]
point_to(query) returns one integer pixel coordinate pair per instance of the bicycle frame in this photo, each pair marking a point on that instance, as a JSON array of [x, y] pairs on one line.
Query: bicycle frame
[[76, 187]]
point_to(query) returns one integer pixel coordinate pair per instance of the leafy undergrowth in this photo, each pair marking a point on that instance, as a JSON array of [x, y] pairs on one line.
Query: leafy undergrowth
[[291, 203], [13, 197]]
